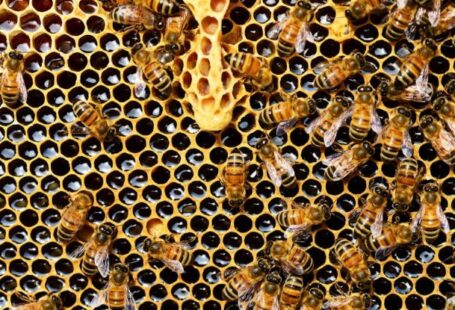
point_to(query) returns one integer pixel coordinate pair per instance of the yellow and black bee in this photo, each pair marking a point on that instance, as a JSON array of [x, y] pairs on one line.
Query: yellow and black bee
[[364, 114], [233, 178], [405, 185], [396, 135], [291, 293], [255, 69], [400, 20], [12, 86], [137, 17], [292, 257], [94, 121], [441, 139], [49, 302]]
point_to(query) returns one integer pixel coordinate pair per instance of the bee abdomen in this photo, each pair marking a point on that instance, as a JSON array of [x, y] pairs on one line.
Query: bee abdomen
[[11, 99], [388, 153], [285, 48], [65, 235], [292, 291], [88, 268], [289, 181], [165, 7]]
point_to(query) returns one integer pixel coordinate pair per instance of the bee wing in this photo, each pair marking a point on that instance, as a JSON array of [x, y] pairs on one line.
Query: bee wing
[[331, 134], [273, 173], [338, 301], [228, 274], [139, 86], [304, 35], [100, 298], [344, 165], [434, 15], [443, 220], [77, 253], [276, 29], [376, 122], [418, 218], [22, 87], [334, 158], [284, 163], [448, 17], [445, 141], [296, 231], [102, 261], [24, 298], [130, 302], [401, 3], [376, 228], [285, 126], [354, 216], [247, 292], [384, 252], [407, 144], [315, 123], [174, 265], [451, 125], [421, 94]]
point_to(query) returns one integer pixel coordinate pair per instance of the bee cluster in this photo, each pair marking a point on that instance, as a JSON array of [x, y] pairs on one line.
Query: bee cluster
[[136, 132]]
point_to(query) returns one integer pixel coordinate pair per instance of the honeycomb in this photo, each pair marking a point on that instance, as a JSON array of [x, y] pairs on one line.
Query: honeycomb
[[161, 167]]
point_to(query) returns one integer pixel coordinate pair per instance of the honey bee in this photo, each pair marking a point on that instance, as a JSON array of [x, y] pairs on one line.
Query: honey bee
[[292, 291], [431, 218], [163, 7], [350, 257], [312, 299], [445, 108], [324, 128], [233, 177], [292, 258], [450, 88], [153, 71], [337, 71], [12, 85], [242, 282], [176, 29], [300, 218], [370, 218], [50, 302], [74, 216], [392, 236], [354, 301], [116, 295], [286, 113], [173, 254], [96, 257], [340, 165], [255, 69], [400, 20], [441, 140], [395, 135], [414, 64], [137, 17], [406, 181], [364, 114], [94, 121], [445, 22], [267, 297], [358, 9], [293, 29], [279, 168]]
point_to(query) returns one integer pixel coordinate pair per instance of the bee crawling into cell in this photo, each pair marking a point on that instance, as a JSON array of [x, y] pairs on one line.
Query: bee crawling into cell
[[267, 296], [27, 302], [116, 294], [300, 218], [96, 251], [292, 29], [441, 139], [332, 74], [12, 86], [430, 219], [292, 258], [137, 18], [74, 216], [174, 255], [340, 165], [255, 69], [233, 178], [279, 168], [369, 218], [324, 128], [150, 68], [242, 283]]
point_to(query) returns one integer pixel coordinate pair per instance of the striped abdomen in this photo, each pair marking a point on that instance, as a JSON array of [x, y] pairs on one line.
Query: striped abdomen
[[158, 77], [10, 89], [347, 254], [320, 131], [392, 142], [360, 123], [116, 297], [164, 7], [291, 217], [385, 240], [291, 292], [399, 22], [88, 265], [366, 218], [239, 283], [69, 226], [332, 76], [234, 173], [300, 258], [409, 71], [86, 113], [244, 63], [276, 113], [430, 224], [288, 38]]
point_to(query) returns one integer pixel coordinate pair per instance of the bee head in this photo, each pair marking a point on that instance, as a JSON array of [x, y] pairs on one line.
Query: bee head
[[152, 247], [302, 9], [15, 60], [272, 284], [380, 195], [259, 269], [428, 124], [403, 117], [362, 279], [431, 191], [399, 206], [341, 104], [366, 300], [83, 200], [365, 89], [140, 54], [236, 203], [106, 231], [111, 133], [431, 44], [450, 87], [278, 249], [120, 273], [264, 264], [360, 59], [356, 11], [383, 88], [404, 232], [57, 302]]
